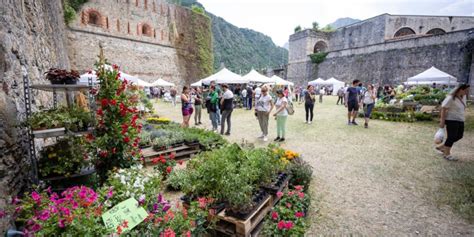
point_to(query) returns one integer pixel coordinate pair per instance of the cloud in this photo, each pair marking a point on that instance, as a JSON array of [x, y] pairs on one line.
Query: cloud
[[459, 7]]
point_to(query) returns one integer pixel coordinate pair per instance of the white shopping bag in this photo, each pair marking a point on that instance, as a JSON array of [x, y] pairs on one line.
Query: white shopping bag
[[439, 136]]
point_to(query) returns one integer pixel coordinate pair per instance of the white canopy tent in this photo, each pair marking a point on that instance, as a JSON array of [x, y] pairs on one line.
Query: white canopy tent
[[137, 81], [280, 81], [430, 76], [161, 82], [197, 84], [224, 76], [336, 84], [254, 76], [318, 81]]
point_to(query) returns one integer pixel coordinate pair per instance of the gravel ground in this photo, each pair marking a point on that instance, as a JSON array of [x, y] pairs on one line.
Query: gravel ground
[[385, 180]]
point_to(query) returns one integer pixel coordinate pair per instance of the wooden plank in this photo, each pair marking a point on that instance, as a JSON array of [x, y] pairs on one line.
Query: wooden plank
[[243, 228], [149, 152], [51, 87]]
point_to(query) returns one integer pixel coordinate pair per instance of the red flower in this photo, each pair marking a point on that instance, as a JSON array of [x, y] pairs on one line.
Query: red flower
[[169, 233], [100, 112], [299, 188], [172, 155], [180, 162], [274, 215], [103, 154], [155, 160], [288, 225], [104, 102], [90, 137], [281, 225], [113, 102], [299, 214], [126, 139], [115, 66], [125, 224], [202, 202], [119, 230], [168, 169], [188, 233]]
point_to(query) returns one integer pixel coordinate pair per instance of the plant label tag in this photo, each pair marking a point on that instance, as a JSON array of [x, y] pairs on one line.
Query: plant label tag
[[126, 214]]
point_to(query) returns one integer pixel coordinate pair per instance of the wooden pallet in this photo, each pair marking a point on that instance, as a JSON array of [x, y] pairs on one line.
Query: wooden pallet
[[182, 152], [274, 197], [232, 226]]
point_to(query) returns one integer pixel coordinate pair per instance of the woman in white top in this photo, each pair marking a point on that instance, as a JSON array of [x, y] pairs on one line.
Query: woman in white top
[[369, 103], [281, 115], [263, 107], [453, 117]]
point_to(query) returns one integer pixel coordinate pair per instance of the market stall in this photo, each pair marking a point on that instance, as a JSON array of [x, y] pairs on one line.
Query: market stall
[[254, 76], [161, 82], [431, 76], [224, 76]]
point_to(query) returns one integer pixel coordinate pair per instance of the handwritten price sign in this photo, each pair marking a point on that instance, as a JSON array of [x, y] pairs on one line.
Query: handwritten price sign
[[127, 211]]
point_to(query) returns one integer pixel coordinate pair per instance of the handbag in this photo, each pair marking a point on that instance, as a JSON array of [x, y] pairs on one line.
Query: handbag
[[289, 108], [439, 136]]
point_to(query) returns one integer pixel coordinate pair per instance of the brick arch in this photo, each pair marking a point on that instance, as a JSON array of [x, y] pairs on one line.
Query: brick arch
[[93, 17], [404, 31], [436, 31], [146, 30], [320, 47]]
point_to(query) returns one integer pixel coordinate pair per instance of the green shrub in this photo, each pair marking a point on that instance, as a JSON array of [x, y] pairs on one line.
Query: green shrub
[[423, 116], [301, 173], [318, 57]]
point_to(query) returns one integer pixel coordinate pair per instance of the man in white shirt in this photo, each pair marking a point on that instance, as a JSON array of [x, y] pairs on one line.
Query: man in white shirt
[[227, 104], [244, 97]]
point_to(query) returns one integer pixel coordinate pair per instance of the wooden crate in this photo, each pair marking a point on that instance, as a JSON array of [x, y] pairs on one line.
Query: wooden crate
[[182, 152], [231, 226]]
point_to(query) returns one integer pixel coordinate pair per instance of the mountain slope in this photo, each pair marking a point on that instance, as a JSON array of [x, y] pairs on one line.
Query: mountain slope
[[240, 49], [341, 22]]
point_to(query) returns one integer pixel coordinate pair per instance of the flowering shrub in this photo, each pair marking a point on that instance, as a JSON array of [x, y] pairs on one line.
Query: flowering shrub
[[132, 182], [155, 120], [287, 217], [115, 138], [285, 156], [164, 164], [77, 212]]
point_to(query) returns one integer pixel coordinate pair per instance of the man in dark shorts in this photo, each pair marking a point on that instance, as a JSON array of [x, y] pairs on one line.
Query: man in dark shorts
[[352, 102]]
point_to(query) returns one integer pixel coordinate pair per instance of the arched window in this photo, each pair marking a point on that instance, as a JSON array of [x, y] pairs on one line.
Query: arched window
[[94, 18], [404, 32], [436, 31], [320, 47], [147, 30]]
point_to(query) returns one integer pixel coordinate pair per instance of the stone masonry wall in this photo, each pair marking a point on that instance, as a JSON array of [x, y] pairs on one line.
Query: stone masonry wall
[[32, 35], [150, 39], [391, 62]]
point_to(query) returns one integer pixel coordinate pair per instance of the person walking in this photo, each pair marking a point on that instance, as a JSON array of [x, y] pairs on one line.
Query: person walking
[[173, 94], [309, 100], [197, 106], [340, 96], [369, 102], [352, 102], [297, 93], [249, 97], [321, 93], [281, 115], [453, 117], [227, 104], [186, 107], [212, 102], [244, 97], [263, 107]]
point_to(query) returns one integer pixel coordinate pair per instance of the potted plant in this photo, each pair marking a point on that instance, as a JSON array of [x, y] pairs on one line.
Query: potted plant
[[61, 76]]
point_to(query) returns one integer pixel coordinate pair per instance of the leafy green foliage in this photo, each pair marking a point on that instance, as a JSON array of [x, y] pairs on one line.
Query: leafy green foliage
[[203, 38], [71, 7], [74, 119], [66, 157], [318, 57], [297, 29], [301, 173], [315, 25], [327, 28]]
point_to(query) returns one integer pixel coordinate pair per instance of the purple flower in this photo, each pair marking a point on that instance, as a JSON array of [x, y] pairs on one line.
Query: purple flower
[[160, 198], [61, 223], [110, 193], [2, 214], [35, 228], [166, 207], [49, 190], [155, 207], [15, 200]]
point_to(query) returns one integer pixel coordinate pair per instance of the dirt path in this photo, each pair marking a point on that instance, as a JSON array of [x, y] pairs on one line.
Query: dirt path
[[386, 180]]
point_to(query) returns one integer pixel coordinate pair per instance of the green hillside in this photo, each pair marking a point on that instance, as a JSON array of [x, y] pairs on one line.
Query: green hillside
[[241, 49]]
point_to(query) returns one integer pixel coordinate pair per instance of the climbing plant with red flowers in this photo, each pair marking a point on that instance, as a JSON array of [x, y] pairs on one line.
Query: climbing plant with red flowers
[[115, 139]]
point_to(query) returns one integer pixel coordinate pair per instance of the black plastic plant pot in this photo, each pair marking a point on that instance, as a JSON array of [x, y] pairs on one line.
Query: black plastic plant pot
[[218, 207], [244, 215], [70, 81], [60, 183]]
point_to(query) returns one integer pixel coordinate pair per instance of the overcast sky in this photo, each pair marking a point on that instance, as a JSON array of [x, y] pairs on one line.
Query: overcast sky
[[278, 18]]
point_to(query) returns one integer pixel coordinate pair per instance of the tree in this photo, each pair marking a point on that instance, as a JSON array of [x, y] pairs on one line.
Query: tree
[[315, 25], [297, 29], [328, 28]]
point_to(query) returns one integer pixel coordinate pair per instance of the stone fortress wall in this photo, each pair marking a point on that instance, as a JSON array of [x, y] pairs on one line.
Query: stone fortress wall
[[383, 49], [147, 38]]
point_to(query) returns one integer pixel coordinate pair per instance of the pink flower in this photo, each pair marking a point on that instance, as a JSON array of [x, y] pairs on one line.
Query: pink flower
[[279, 194], [61, 223], [299, 214], [202, 202], [298, 188], [2, 214], [169, 233], [301, 195], [110, 193], [290, 193], [188, 233], [281, 225], [35, 228], [288, 225], [44, 215], [15, 200], [274, 215], [288, 205], [36, 196]]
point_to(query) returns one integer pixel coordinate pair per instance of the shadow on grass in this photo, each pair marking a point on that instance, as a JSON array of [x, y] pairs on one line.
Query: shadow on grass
[[457, 188]]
